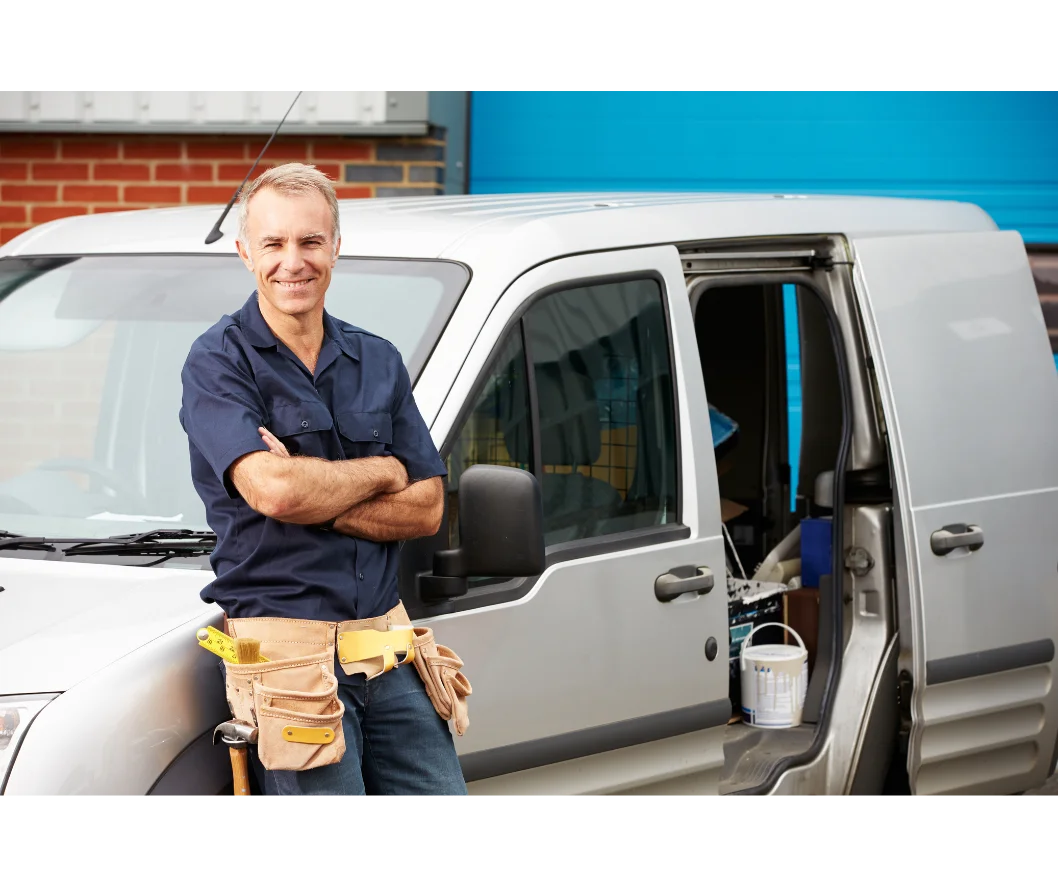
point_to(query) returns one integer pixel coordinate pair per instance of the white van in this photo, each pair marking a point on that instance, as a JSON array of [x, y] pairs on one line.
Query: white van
[[585, 340]]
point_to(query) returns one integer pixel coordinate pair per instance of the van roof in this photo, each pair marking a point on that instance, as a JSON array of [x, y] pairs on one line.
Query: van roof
[[538, 226]]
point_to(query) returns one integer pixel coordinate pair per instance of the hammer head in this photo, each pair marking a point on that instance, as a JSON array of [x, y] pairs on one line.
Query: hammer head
[[236, 733]]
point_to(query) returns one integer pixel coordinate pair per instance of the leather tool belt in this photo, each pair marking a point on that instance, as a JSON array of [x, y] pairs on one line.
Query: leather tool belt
[[293, 698]]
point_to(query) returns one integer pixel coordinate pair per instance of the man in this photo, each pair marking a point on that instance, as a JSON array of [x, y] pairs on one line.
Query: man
[[313, 461]]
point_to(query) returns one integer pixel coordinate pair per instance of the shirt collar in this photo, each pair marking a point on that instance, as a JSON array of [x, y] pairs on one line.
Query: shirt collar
[[257, 330], [343, 339], [254, 326]]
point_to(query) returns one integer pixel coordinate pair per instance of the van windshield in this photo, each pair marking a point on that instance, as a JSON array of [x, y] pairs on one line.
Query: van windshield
[[91, 349]]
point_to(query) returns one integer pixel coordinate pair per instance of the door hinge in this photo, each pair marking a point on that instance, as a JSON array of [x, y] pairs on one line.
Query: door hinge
[[858, 561]]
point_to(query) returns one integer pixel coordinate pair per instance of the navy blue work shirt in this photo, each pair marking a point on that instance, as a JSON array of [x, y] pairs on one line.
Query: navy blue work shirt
[[239, 376]]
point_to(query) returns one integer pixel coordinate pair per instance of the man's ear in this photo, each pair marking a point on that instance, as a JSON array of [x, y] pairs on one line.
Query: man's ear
[[337, 248], [244, 255]]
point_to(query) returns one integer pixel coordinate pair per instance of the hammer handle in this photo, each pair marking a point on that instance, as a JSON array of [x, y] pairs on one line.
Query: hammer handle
[[239, 773]]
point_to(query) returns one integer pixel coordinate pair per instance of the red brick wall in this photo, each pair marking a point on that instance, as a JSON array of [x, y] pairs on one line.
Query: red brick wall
[[49, 177]]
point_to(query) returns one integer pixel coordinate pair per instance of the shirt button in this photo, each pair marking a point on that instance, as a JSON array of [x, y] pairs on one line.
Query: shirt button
[[361, 577], [375, 432], [304, 423]]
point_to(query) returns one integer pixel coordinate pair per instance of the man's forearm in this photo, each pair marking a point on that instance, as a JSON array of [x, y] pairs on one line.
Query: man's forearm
[[392, 517], [306, 490]]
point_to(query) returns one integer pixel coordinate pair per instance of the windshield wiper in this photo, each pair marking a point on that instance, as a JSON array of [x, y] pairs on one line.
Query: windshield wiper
[[166, 543]]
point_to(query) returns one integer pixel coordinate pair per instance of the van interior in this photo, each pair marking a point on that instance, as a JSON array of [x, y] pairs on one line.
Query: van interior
[[777, 506]]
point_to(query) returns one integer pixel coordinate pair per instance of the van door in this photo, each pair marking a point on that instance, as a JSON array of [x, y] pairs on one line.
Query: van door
[[598, 675], [970, 400]]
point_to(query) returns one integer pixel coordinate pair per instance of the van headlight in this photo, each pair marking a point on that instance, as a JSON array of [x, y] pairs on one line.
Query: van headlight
[[16, 714]]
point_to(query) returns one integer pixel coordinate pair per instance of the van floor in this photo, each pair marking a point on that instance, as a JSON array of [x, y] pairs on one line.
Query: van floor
[[750, 752]]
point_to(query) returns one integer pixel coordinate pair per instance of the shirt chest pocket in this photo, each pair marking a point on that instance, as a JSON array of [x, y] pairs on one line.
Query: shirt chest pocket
[[306, 428], [365, 434]]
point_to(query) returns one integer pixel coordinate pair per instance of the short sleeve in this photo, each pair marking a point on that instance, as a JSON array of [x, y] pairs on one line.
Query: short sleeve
[[411, 438], [221, 408]]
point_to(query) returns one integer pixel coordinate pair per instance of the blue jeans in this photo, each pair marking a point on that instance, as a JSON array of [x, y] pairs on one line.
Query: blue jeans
[[395, 744]]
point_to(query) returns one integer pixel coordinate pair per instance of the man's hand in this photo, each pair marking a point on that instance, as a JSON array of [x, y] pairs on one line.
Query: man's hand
[[274, 444], [400, 474]]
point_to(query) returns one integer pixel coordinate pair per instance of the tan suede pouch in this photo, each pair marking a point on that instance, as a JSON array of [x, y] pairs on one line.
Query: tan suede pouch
[[293, 699], [446, 685]]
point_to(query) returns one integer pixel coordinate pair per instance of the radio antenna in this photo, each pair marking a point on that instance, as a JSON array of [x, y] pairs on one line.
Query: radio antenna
[[216, 234]]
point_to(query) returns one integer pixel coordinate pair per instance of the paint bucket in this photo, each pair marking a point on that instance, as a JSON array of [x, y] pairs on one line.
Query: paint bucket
[[774, 681]]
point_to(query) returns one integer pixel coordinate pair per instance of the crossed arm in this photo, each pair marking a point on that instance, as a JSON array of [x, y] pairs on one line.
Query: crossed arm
[[369, 498]]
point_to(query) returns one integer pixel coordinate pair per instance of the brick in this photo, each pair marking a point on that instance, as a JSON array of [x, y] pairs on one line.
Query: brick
[[12, 212], [121, 172], [406, 192], [183, 172], [22, 148], [432, 174], [57, 172], [35, 193], [90, 193], [331, 170], [282, 150], [209, 193], [152, 193], [11, 232], [424, 153], [362, 172], [152, 149], [346, 193], [217, 149], [14, 172], [74, 148], [341, 150], [234, 172], [41, 214]]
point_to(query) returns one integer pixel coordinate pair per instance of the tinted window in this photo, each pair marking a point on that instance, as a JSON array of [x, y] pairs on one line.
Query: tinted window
[[497, 430], [600, 358]]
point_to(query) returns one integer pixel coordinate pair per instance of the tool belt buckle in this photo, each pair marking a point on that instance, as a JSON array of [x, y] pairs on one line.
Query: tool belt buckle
[[394, 647]]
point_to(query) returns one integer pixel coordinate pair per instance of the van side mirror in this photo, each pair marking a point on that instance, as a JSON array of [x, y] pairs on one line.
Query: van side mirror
[[500, 532]]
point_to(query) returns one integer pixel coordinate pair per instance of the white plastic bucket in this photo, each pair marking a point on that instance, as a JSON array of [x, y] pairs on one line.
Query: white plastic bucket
[[774, 681]]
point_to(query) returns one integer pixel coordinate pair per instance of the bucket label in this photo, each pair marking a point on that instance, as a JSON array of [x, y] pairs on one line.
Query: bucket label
[[773, 697]]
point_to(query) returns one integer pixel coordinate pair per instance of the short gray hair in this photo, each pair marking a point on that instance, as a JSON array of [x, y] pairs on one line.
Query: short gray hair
[[290, 178]]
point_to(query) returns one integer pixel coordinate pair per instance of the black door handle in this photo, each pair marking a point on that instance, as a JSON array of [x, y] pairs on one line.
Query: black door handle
[[681, 580], [945, 540]]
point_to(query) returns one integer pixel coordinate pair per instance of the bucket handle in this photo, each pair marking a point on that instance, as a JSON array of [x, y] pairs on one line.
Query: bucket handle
[[754, 630]]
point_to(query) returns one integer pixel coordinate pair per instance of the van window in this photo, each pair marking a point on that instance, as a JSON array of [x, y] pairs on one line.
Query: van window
[[604, 416], [601, 368], [91, 349], [497, 430]]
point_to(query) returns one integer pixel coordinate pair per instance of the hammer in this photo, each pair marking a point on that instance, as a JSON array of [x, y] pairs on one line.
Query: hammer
[[237, 735]]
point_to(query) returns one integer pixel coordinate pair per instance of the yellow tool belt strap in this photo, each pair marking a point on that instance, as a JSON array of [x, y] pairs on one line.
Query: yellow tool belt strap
[[369, 646], [395, 647]]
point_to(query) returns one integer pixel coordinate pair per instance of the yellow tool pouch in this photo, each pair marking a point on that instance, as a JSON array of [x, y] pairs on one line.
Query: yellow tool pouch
[[293, 699]]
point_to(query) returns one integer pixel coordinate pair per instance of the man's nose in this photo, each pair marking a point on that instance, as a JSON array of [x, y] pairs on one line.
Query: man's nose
[[293, 260]]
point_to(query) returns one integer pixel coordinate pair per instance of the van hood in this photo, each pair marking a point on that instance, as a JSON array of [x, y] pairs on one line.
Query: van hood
[[61, 622]]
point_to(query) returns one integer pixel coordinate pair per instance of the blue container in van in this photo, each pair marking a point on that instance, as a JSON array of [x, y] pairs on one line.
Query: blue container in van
[[815, 549]]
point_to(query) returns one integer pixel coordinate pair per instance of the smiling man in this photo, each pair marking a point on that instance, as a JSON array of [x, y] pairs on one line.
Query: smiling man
[[313, 463]]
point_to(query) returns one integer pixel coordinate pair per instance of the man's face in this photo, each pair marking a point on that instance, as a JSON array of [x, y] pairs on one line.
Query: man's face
[[290, 249]]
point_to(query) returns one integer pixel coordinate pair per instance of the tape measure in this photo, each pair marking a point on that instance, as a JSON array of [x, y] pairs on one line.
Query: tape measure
[[219, 643]]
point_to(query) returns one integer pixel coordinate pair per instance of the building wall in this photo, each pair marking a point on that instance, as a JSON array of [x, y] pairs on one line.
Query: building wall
[[49, 177], [997, 150]]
